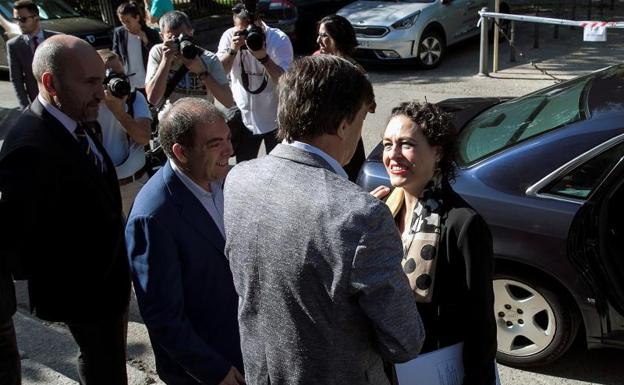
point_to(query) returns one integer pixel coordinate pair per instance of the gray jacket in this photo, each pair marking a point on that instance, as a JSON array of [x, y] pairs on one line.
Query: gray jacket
[[316, 263], [20, 57]]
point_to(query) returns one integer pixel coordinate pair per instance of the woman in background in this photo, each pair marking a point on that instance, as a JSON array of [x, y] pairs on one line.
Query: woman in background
[[447, 245], [336, 36]]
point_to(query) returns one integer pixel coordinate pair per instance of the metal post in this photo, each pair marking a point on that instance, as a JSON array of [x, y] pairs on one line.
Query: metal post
[[496, 37], [536, 29], [558, 13], [512, 42], [483, 49]]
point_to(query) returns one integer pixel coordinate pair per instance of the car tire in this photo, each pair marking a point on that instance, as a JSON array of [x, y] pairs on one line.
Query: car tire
[[431, 49], [536, 324]]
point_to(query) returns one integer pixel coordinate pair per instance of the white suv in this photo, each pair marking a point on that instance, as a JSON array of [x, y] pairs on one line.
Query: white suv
[[413, 29]]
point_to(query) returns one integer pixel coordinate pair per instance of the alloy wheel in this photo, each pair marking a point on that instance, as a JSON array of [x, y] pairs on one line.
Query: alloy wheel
[[526, 321]]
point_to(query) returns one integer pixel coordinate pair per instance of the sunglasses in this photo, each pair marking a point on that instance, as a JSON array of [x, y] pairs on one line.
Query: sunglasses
[[22, 19]]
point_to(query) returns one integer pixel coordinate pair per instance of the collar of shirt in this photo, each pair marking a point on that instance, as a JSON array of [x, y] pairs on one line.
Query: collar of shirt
[[315, 150], [212, 201], [40, 37], [65, 120]]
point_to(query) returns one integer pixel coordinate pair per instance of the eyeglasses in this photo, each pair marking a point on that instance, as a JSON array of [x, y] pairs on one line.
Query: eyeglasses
[[22, 19]]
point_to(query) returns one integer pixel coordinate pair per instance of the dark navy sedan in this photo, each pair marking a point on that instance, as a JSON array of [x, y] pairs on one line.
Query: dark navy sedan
[[546, 171]]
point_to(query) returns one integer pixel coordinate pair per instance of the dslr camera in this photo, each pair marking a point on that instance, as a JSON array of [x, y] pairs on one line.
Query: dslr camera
[[254, 35], [186, 46], [117, 84]]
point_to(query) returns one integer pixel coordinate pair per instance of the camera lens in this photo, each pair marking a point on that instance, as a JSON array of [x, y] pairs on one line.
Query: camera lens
[[255, 38], [118, 85], [188, 49]]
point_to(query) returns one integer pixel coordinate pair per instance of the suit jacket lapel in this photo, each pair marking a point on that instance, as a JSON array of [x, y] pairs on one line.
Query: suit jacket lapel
[[191, 209], [26, 50], [70, 143]]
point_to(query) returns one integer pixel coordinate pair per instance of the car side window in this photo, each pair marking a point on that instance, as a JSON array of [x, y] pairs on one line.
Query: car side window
[[581, 181]]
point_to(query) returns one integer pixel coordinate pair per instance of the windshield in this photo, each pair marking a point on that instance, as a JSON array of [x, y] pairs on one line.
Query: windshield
[[48, 9], [512, 122]]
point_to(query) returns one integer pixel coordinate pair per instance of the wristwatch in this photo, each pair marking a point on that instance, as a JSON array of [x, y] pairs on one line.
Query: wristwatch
[[264, 59], [232, 52]]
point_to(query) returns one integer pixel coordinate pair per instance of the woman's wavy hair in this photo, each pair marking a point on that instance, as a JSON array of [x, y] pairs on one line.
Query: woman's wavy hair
[[438, 129], [342, 32]]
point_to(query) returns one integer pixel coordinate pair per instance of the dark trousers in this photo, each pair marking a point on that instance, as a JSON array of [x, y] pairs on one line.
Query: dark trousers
[[102, 344], [10, 367], [249, 144]]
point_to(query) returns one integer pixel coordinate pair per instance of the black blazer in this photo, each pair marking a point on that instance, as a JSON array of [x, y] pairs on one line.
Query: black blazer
[[462, 306], [120, 42], [62, 222]]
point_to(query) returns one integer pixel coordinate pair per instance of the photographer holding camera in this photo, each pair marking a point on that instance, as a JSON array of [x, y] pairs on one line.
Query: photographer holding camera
[[125, 120], [178, 68], [255, 55]]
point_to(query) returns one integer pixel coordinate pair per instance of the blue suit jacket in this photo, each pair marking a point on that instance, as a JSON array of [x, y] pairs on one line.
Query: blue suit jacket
[[183, 283]]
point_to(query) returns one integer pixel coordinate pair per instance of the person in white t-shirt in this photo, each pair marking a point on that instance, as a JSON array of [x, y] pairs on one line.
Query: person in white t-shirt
[[132, 41], [254, 76], [125, 134]]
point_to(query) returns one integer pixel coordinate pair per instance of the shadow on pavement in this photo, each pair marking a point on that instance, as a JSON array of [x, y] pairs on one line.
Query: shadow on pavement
[[598, 366]]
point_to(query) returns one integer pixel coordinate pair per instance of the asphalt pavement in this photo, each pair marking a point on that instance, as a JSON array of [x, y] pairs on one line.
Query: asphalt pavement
[[49, 351]]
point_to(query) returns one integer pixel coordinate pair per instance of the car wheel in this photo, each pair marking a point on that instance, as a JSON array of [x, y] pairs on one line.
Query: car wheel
[[536, 325], [430, 49]]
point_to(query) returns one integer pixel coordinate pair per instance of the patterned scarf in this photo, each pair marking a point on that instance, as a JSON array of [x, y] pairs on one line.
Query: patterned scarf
[[420, 240]]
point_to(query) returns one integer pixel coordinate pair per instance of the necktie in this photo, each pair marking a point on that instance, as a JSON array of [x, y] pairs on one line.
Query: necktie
[[83, 142], [35, 42]]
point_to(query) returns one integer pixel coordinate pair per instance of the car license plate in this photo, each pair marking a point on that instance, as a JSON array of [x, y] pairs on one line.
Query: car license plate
[[364, 44]]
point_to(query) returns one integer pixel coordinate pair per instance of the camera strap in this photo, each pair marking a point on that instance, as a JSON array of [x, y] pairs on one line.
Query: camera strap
[[245, 79], [173, 82]]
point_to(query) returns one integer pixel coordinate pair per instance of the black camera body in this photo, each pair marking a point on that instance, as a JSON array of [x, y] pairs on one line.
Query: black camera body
[[254, 37], [186, 46], [117, 84]]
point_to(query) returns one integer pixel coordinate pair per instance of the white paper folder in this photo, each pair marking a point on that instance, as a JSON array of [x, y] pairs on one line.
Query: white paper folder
[[440, 367]]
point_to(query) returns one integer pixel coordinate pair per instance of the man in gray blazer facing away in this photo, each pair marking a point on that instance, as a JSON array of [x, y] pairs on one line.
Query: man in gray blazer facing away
[[316, 260]]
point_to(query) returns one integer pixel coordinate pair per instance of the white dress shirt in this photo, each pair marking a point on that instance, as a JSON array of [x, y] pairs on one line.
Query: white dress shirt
[[315, 150], [211, 200], [259, 111]]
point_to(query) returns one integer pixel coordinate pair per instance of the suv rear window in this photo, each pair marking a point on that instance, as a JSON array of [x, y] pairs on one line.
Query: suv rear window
[[512, 122]]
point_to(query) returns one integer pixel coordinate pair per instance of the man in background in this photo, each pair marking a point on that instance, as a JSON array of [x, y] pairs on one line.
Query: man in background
[[254, 73], [20, 51], [125, 121], [171, 76]]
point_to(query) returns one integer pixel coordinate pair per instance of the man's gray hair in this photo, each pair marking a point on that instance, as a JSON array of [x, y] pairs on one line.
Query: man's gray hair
[[49, 57], [179, 122], [174, 20]]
